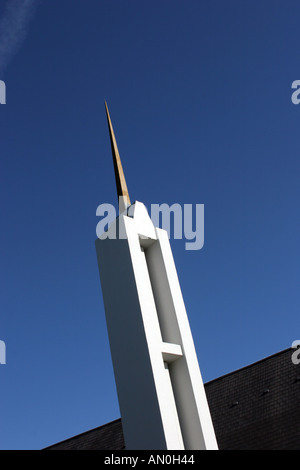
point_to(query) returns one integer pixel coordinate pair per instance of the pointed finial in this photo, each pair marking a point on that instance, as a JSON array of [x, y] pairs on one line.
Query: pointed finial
[[123, 196]]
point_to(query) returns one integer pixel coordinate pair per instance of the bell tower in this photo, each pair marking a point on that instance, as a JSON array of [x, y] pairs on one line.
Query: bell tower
[[160, 389]]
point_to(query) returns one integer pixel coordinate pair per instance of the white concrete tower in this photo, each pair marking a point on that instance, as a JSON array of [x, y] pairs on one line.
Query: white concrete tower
[[160, 390]]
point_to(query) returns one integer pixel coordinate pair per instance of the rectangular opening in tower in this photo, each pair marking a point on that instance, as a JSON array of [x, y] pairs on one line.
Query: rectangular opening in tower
[[161, 293]]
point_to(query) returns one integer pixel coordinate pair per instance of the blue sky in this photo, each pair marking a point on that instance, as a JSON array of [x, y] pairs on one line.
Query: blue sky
[[199, 93]]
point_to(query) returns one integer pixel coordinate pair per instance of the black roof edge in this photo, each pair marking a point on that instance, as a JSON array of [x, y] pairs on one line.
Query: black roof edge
[[83, 433], [249, 365]]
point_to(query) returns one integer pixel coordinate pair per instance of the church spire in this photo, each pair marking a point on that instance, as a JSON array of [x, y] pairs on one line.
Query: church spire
[[122, 191]]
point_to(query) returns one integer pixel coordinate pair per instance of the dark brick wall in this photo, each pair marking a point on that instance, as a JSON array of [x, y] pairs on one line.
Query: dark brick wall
[[254, 408], [258, 407]]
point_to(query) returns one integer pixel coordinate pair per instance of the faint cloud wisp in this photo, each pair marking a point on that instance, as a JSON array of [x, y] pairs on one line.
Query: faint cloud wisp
[[14, 23]]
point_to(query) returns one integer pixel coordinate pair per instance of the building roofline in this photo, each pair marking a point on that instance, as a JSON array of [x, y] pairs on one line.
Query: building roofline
[[206, 384], [248, 366], [83, 433]]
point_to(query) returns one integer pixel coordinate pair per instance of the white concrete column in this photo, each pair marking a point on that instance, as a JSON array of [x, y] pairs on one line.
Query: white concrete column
[[160, 389]]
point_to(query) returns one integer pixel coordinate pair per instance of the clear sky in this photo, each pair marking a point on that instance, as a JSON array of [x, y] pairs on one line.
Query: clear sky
[[199, 93]]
